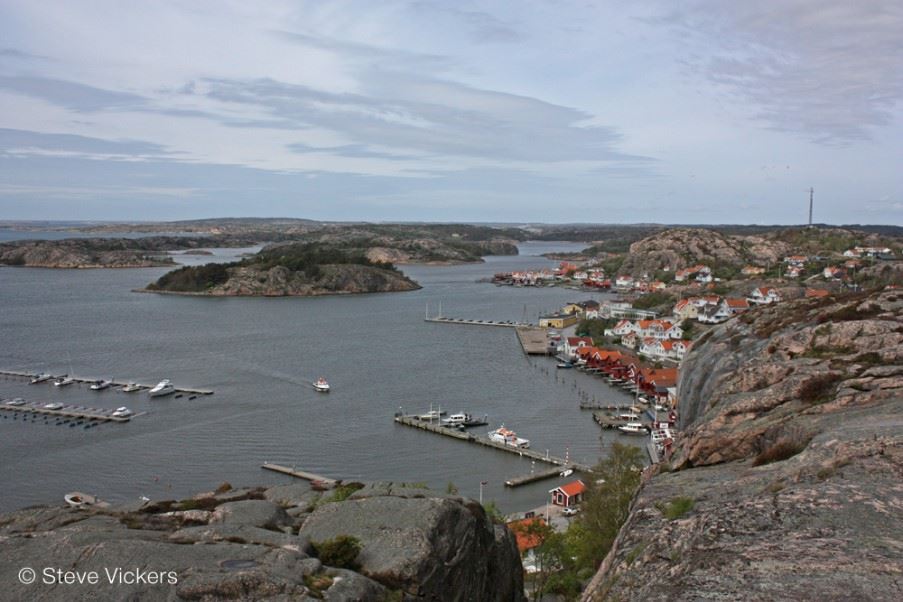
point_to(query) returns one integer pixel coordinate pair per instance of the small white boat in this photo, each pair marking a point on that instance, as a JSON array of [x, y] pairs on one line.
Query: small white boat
[[131, 388], [566, 473], [100, 385], [321, 386], [18, 401], [457, 419], [508, 437], [122, 412], [63, 381], [77, 499], [629, 416], [53, 406], [164, 387], [634, 428], [40, 378]]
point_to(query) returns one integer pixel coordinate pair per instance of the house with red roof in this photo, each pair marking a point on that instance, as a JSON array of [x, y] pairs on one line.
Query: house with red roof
[[569, 494], [572, 344], [764, 295]]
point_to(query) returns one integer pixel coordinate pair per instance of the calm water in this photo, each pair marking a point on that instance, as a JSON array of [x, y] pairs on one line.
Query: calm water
[[260, 356]]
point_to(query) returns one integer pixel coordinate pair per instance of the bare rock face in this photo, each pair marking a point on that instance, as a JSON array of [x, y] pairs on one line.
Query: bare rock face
[[682, 247], [416, 546], [785, 483]]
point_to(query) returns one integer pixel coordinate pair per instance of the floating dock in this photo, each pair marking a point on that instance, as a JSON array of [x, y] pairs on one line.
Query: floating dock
[[592, 405], [476, 322], [299, 474], [533, 340], [113, 384], [463, 436], [72, 412], [534, 476]]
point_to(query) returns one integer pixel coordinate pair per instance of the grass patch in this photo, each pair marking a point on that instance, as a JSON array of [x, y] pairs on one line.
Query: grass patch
[[339, 552], [676, 508], [204, 503], [343, 492], [870, 358], [317, 583]]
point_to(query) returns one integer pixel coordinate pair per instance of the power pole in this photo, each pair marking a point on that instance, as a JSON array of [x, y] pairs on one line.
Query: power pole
[[811, 194]]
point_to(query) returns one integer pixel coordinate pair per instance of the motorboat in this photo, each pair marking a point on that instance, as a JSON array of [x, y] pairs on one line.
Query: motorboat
[[564, 365], [164, 387], [433, 415], [457, 419], [40, 378], [321, 386], [508, 437], [77, 499], [634, 428], [100, 385], [628, 416], [53, 406], [122, 412], [63, 381], [131, 388], [18, 401]]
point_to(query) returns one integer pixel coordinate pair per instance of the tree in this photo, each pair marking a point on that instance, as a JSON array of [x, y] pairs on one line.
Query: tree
[[606, 505]]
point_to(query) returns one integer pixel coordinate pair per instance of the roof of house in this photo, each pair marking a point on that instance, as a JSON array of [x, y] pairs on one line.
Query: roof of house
[[571, 489], [526, 541], [737, 303], [574, 341], [817, 292]]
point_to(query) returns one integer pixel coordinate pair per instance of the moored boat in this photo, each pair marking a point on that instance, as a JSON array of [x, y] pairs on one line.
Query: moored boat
[[131, 388], [122, 412], [100, 385], [634, 428], [164, 387], [508, 437], [39, 378], [63, 381]]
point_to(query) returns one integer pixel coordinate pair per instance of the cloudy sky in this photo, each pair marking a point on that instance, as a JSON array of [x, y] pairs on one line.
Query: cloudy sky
[[556, 111]]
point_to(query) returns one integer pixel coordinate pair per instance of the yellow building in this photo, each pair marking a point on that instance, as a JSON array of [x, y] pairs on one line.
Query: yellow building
[[558, 321]]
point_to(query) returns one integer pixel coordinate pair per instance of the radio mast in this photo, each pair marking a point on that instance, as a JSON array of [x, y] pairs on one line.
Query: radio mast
[[811, 194]]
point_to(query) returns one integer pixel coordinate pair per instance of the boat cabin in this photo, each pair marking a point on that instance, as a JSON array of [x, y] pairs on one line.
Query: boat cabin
[[569, 494]]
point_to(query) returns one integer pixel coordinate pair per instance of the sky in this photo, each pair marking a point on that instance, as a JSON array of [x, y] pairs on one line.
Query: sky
[[530, 111]]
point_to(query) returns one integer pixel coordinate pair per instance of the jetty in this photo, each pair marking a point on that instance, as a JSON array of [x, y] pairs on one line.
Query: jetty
[[470, 438], [113, 384], [593, 405], [69, 412], [470, 322], [533, 340], [300, 474], [534, 476]]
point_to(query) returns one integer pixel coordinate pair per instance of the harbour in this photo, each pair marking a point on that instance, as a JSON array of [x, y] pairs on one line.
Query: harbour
[[96, 415]]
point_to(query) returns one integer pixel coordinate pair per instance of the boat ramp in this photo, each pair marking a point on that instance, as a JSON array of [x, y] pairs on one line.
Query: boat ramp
[[113, 383]]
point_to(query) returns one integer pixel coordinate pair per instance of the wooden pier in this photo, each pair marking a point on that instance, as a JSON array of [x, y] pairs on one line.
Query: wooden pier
[[476, 322], [113, 384], [71, 412], [534, 476], [463, 436], [593, 405], [533, 340], [299, 474]]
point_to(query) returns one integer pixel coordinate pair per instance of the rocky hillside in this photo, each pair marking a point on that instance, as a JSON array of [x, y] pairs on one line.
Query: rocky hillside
[[786, 482], [288, 270], [271, 544], [681, 247]]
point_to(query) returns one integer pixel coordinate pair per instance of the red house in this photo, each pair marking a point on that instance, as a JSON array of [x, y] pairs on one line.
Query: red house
[[569, 494]]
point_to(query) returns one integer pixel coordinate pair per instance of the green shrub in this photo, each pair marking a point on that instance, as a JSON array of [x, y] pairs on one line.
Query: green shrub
[[339, 552], [677, 507], [344, 491]]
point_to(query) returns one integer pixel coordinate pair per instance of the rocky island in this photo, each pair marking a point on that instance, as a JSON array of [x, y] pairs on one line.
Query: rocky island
[[72, 253], [291, 269], [786, 481], [374, 542]]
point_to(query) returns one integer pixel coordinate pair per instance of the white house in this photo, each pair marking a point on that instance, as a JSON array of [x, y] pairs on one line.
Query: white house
[[764, 296]]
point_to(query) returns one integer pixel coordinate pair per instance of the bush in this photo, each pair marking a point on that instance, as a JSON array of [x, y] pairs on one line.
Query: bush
[[340, 552], [819, 388], [677, 507], [782, 449], [343, 492]]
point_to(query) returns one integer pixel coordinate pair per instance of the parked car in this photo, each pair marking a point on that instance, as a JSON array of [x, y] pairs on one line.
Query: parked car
[[568, 511]]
